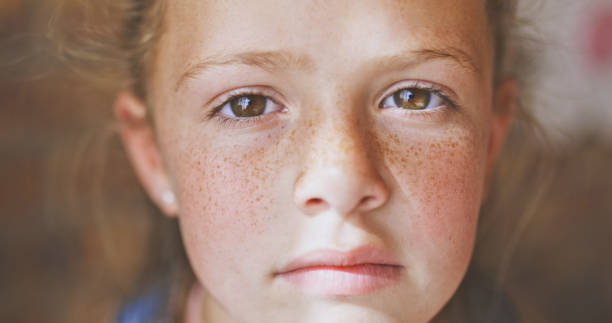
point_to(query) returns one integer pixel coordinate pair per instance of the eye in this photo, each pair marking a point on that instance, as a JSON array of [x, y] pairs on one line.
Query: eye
[[248, 106], [413, 99]]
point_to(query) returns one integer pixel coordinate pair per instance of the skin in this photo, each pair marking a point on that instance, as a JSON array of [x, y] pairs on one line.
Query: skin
[[329, 167]]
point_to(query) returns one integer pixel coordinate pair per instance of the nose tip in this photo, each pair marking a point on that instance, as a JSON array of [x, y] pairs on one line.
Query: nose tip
[[341, 189]]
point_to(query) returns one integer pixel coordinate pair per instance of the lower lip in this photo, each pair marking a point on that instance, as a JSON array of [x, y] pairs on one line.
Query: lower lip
[[343, 280]]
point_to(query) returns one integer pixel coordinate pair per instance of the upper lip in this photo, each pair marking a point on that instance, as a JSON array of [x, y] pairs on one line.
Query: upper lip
[[336, 258]]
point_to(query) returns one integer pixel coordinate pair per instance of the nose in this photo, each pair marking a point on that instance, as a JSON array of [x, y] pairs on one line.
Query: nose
[[339, 174]]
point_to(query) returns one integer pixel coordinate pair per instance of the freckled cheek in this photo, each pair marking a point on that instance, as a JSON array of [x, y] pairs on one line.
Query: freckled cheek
[[440, 179], [224, 203]]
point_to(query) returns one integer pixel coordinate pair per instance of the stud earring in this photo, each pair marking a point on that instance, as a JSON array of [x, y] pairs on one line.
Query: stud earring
[[168, 197]]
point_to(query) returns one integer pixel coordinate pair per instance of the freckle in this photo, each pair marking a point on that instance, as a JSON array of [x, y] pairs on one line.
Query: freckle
[[395, 140]]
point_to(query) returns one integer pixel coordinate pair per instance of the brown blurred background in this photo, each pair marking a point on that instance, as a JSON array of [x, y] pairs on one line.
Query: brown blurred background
[[55, 261]]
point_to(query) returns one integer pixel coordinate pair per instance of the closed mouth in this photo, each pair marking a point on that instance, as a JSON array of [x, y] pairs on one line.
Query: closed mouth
[[358, 271]]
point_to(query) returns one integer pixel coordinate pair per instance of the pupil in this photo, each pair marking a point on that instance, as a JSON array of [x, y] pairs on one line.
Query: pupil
[[244, 102], [412, 99], [248, 105], [406, 95]]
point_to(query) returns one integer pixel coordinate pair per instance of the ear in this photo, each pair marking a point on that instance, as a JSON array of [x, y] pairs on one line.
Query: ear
[[504, 106], [143, 151]]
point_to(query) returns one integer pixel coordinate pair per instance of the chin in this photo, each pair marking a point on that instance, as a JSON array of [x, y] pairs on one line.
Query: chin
[[339, 309], [336, 311]]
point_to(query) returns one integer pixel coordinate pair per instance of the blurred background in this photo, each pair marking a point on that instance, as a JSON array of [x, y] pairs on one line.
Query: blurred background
[[548, 244]]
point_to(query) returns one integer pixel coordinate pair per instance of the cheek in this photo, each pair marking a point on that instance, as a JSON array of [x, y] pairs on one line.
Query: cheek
[[225, 199], [439, 178]]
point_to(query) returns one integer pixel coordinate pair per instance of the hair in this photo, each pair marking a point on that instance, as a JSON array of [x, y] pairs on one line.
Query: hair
[[125, 52], [116, 49]]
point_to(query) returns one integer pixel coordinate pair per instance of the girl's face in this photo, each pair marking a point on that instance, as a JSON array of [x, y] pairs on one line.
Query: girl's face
[[328, 158]]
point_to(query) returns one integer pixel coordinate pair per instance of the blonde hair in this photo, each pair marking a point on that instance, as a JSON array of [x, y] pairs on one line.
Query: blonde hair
[[125, 53]]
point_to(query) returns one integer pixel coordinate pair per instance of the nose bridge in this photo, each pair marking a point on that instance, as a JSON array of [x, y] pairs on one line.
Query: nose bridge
[[338, 172], [338, 138]]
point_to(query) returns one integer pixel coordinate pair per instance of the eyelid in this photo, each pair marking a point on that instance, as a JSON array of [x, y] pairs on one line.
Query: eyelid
[[448, 95], [219, 101]]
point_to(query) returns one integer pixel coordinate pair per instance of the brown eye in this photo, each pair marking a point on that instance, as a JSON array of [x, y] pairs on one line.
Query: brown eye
[[248, 106], [412, 99]]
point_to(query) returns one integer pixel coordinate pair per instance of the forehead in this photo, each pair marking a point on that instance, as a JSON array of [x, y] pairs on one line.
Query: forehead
[[340, 28]]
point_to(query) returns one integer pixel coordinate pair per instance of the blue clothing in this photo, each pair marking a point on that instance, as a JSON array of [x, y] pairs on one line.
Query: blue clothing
[[145, 309]]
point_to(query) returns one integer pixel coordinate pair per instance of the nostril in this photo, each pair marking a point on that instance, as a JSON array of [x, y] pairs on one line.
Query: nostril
[[343, 191], [315, 205], [369, 202], [314, 202]]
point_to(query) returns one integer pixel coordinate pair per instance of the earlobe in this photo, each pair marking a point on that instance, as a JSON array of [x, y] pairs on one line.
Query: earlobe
[[506, 101], [143, 151]]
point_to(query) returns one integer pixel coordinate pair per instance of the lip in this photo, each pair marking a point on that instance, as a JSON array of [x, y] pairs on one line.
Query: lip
[[331, 272]]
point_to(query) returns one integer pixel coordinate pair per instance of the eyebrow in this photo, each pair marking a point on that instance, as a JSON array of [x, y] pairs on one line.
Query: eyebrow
[[416, 57], [272, 61]]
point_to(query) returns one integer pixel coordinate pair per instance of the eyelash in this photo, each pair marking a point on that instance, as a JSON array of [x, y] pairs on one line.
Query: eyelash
[[420, 85], [228, 121]]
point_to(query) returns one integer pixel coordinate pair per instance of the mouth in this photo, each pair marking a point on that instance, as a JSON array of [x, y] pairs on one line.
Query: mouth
[[329, 272]]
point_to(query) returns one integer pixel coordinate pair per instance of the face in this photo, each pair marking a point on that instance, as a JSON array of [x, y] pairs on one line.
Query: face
[[328, 159]]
